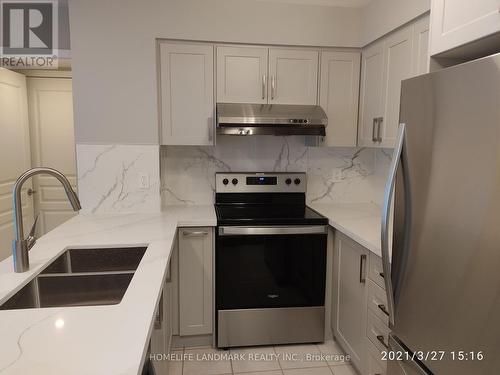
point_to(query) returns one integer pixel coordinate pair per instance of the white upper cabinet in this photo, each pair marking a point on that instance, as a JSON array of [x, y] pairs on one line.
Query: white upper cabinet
[[267, 75], [457, 22], [339, 93], [398, 66], [421, 46], [293, 75], [242, 74], [187, 94], [370, 109], [385, 63]]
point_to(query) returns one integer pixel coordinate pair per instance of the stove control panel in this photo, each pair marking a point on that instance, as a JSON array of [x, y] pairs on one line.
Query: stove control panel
[[245, 182]]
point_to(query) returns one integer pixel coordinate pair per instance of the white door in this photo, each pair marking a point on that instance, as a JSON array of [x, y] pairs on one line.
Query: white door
[[457, 22], [14, 153], [187, 94], [370, 108], [52, 145], [421, 46], [398, 66], [241, 74], [293, 76], [339, 93], [349, 293]]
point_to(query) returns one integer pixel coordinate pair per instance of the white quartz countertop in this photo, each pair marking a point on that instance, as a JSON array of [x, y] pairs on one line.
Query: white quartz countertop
[[359, 221], [95, 339]]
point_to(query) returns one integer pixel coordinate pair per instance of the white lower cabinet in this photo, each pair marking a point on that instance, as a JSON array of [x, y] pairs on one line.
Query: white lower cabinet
[[195, 281], [359, 317], [161, 337], [349, 297]]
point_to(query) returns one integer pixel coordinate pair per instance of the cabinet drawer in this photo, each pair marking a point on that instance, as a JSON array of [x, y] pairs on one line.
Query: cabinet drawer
[[377, 301], [377, 331], [374, 363], [376, 271]]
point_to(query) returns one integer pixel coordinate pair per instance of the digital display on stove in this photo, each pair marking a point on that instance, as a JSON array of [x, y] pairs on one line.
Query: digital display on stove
[[262, 180]]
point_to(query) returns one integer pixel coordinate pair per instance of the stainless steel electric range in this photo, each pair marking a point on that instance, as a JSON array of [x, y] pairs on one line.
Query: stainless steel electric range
[[270, 261]]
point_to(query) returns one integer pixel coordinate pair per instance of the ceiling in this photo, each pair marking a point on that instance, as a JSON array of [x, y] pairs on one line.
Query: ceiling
[[331, 3]]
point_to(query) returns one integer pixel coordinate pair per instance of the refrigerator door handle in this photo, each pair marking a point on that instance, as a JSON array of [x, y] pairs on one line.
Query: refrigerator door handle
[[386, 211]]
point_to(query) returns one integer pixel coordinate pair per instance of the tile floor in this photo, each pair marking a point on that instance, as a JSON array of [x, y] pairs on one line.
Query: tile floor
[[322, 359]]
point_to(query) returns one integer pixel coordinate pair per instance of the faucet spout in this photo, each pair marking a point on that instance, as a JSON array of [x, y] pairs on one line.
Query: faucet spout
[[20, 245]]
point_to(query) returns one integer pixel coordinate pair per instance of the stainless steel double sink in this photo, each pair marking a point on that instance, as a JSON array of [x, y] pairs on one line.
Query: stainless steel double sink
[[80, 277]]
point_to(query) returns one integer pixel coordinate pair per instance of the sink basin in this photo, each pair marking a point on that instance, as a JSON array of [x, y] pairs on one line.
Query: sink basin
[[97, 260], [80, 277]]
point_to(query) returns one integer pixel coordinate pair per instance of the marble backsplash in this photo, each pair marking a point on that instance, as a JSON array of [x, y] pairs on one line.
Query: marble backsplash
[[109, 178], [334, 175]]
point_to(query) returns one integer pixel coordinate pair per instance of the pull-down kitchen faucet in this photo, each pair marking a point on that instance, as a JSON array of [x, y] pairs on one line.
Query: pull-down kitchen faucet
[[21, 245]]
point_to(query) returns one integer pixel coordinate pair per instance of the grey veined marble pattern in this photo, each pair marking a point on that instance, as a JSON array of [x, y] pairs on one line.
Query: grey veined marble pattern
[[109, 178], [335, 175]]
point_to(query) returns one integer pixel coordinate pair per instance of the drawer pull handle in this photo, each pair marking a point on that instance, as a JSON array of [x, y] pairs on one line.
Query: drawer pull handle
[[380, 338], [384, 310], [194, 234], [362, 275]]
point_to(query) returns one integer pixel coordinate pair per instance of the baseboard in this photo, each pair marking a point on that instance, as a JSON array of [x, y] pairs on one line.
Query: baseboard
[[179, 342]]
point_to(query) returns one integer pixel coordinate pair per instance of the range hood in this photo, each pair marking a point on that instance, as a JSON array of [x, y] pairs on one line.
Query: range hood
[[273, 119]]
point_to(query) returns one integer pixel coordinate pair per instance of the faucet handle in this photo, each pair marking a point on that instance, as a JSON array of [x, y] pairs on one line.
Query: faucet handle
[[31, 236]]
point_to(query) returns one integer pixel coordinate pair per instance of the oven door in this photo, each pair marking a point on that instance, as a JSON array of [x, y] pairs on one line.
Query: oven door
[[267, 267], [270, 285]]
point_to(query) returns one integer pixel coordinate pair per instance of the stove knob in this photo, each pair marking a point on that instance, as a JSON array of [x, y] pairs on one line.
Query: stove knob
[[297, 181], [234, 181], [225, 181], [288, 181]]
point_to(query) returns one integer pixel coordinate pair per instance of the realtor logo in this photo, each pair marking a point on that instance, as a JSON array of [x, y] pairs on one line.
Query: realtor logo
[[28, 34]]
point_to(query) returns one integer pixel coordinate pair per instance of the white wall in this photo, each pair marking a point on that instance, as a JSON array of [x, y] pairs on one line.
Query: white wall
[[114, 57], [380, 17]]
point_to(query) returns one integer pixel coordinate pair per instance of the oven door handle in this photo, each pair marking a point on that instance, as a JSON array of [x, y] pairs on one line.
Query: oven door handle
[[272, 230]]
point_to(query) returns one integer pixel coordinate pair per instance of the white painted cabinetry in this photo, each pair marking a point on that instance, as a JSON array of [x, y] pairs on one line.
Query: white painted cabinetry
[[186, 93], [195, 281], [242, 74], [385, 63], [371, 96], [339, 95], [455, 22], [397, 67], [161, 336], [267, 75], [359, 316], [349, 297], [293, 76]]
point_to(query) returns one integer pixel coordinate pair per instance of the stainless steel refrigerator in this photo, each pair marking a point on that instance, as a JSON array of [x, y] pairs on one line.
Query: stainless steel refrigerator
[[444, 267]]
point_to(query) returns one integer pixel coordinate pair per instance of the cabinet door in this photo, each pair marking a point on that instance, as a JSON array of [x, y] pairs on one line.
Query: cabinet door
[[349, 295], [456, 22], [241, 74], [293, 75], [158, 342], [421, 46], [339, 93], [397, 67], [195, 281], [187, 94], [370, 108]]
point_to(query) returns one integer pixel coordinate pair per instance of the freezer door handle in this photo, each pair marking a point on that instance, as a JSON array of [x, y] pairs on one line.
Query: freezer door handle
[[386, 211]]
